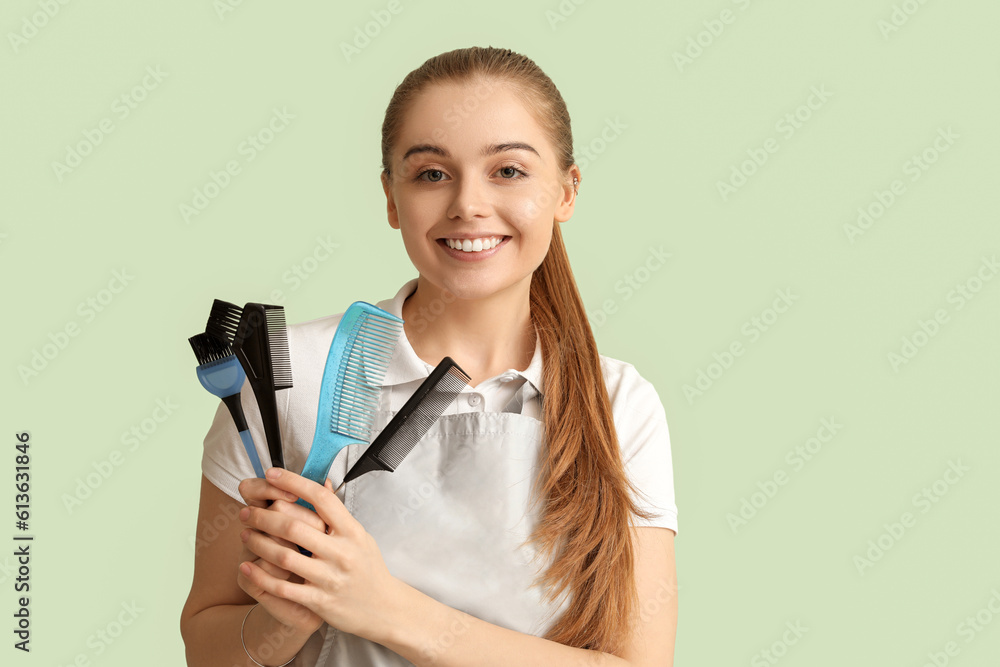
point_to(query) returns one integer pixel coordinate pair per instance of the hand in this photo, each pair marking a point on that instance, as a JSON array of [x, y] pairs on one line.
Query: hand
[[257, 493], [345, 582]]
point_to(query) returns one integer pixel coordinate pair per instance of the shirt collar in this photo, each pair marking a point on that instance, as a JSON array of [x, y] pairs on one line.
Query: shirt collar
[[406, 366]]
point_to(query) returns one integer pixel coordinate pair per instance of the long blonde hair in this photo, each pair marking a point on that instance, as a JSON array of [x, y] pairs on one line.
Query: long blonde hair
[[585, 496]]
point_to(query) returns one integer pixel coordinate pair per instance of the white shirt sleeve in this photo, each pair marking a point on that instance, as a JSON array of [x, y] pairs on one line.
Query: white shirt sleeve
[[644, 440]]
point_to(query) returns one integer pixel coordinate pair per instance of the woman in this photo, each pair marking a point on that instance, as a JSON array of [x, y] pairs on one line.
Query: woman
[[566, 461]]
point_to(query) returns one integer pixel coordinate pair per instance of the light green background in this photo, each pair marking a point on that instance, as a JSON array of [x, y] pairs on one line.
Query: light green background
[[655, 185]]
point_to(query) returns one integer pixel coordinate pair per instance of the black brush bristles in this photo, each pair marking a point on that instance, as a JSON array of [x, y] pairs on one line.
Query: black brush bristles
[[208, 348], [224, 320], [415, 418]]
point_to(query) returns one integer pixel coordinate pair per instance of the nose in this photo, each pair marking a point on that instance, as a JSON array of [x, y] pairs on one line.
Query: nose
[[471, 200]]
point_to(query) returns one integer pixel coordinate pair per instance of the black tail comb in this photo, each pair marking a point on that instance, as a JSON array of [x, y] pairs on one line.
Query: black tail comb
[[261, 345], [413, 421]]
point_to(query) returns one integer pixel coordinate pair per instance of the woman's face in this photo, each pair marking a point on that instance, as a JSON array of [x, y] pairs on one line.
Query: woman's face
[[475, 189]]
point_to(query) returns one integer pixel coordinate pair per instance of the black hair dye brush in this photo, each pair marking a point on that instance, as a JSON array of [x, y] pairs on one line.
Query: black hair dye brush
[[259, 339], [413, 420]]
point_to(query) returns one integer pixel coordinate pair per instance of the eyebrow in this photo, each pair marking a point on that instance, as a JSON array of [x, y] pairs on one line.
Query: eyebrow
[[492, 149]]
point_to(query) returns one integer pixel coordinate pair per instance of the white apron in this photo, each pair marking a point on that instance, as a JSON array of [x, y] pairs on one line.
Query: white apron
[[450, 522]]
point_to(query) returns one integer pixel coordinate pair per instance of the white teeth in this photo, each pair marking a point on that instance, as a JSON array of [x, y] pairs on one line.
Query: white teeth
[[473, 245]]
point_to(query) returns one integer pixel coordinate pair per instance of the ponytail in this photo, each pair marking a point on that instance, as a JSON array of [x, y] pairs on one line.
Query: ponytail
[[582, 485]]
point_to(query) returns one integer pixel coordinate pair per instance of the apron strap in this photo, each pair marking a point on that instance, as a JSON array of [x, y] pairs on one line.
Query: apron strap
[[525, 393], [516, 402]]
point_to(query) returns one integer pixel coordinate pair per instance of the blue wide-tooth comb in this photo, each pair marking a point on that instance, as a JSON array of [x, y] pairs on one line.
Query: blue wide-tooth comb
[[222, 375], [352, 383]]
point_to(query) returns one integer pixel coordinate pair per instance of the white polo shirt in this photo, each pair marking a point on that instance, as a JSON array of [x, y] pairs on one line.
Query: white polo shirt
[[638, 414]]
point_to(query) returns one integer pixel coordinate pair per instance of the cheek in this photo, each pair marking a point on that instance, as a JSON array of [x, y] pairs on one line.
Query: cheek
[[534, 205], [529, 215], [421, 209], [414, 237], [414, 243], [411, 218]]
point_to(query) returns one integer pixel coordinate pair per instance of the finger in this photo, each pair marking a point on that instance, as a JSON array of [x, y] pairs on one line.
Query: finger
[[276, 524], [259, 492], [250, 554], [290, 510], [248, 586], [280, 540], [327, 504], [286, 611], [286, 558], [247, 554], [258, 488], [257, 578], [299, 512], [272, 569]]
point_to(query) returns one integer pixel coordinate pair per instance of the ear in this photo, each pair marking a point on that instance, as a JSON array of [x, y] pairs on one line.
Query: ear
[[390, 202], [564, 210]]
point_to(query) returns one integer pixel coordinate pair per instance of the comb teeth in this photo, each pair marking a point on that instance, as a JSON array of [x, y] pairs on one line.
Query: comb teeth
[[224, 320], [277, 338], [373, 339], [423, 417], [208, 348]]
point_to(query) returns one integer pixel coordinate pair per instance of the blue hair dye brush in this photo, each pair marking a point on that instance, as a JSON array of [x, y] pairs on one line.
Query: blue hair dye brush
[[220, 372]]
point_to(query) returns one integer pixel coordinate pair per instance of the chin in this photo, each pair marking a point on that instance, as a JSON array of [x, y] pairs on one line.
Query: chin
[[475, 287]]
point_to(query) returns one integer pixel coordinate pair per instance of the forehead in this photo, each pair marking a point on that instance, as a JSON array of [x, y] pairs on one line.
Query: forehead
[[464, 117]]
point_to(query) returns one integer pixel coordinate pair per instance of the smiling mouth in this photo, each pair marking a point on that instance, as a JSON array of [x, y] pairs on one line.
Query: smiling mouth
[[474, 245]]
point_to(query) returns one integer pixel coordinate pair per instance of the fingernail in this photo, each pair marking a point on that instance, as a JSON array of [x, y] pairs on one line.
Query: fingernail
[[244, 513], [245, 535], [245, 568], [273, 473]]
